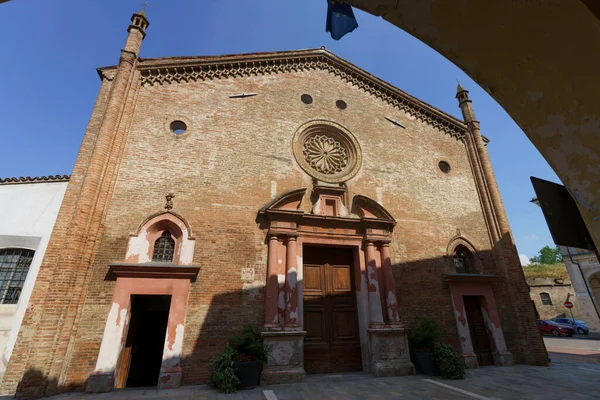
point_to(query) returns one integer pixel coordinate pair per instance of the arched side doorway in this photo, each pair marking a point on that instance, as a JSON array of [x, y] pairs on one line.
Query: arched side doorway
[[478, 323], [143, 337], [330, 303]]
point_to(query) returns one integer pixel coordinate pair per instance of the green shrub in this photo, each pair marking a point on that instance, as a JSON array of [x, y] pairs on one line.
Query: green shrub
[[222, 374], [448, 361], [249, 345], [424, 335]]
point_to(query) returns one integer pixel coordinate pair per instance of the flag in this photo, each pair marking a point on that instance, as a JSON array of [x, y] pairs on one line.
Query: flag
[[340, 19]]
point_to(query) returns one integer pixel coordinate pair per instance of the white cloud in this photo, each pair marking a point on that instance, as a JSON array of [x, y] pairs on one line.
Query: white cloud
[[531, 237], [524, 260]]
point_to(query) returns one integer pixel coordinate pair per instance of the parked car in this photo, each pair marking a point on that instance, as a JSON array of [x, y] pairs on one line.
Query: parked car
[[576, 324], [548, 327]]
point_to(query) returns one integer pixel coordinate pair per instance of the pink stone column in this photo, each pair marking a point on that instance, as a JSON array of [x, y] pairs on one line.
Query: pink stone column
[[492, 321], [170, 369], [389, 285], [375, 311], [462, 326], [271, 318], [291, 285]]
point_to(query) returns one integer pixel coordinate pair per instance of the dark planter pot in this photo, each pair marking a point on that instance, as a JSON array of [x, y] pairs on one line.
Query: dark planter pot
[[424, 362], [248, 373]]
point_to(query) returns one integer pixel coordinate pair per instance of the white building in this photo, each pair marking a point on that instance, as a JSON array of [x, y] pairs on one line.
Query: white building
[[583, 268], [584, 271], [28, 210]]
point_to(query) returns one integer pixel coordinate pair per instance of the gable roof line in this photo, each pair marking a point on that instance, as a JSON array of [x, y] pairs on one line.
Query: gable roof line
[[35, 179], [160, 71]]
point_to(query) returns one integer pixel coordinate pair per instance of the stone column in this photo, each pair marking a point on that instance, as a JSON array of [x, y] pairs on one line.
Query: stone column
[[492, 321], [271, 317], [285, 348], [291, 286], [389, 285], [375, 311], [170, 369], [462, 326], [388, 344], [103, 378]]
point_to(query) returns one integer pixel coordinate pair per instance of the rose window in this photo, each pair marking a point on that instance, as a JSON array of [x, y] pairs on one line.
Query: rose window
[[327, 151], [325, 154]]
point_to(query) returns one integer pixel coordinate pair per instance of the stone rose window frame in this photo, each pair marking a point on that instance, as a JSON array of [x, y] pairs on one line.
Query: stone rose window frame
[[327, 151]]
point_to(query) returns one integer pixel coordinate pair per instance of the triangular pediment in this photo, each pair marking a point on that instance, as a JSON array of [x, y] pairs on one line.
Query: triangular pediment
[[164, 71]]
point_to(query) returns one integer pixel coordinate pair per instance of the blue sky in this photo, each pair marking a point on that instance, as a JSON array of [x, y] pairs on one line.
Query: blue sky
[[48, 81]]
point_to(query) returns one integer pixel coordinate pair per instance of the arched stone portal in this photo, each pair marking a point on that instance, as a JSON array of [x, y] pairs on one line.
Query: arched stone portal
[[352, 276], [594, 280], [539, 67]]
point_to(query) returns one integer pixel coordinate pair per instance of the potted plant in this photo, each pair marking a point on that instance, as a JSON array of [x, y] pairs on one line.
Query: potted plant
[[421, 340], [249, 357], [448, 362], [222, 374]]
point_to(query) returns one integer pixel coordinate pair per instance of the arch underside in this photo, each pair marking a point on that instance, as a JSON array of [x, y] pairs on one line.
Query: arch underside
[[539, 68]]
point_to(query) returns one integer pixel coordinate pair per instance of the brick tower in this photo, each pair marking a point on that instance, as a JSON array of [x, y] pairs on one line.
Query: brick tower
[[504, 250], [44, 343]]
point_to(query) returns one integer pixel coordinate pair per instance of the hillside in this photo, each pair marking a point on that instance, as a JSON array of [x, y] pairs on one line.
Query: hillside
[[546, 271]]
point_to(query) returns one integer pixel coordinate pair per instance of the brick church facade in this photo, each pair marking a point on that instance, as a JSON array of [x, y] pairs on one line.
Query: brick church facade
[[290, 190]]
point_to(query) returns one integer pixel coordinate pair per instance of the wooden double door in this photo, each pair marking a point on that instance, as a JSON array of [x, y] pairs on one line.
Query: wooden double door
[[480, 337], [332, 342]]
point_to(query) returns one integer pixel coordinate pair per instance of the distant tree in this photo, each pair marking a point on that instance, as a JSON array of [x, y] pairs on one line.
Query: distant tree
[[548, 255]]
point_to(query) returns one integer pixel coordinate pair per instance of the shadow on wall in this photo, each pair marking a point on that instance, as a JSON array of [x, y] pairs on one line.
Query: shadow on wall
[[34, 385], [421, 288]]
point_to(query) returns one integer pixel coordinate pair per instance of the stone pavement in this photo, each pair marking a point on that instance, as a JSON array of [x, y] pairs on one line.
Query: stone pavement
[[573, 349], [561, 380]]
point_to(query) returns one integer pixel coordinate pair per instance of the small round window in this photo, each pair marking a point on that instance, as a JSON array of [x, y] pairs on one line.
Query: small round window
[[341, 104], [444, 167], [306, 98], [178, 127]]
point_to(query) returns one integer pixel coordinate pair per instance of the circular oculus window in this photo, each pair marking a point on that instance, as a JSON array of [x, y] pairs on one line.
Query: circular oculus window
[[178, 127], [444, 167], [341, 104], [327, 151], [306, 99]]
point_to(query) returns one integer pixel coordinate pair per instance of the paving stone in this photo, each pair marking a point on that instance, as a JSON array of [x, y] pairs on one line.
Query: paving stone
[[559, 381]]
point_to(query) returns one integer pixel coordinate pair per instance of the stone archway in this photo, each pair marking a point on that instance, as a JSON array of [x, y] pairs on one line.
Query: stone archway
[[139, 276], [594, 281], [539, 67]]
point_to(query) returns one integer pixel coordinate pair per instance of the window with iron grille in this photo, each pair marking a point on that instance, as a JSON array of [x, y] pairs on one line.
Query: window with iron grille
[[14, 265], [546, 300], [164, 247]]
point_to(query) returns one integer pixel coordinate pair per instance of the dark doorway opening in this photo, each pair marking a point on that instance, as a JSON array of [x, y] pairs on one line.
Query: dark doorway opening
[[480, 337], [332, 342], [142, 356]]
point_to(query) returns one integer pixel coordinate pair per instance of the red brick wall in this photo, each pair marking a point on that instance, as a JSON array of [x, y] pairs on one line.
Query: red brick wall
[[237, 155]]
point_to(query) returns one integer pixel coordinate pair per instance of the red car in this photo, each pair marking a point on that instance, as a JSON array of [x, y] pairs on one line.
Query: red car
[[548, 327]]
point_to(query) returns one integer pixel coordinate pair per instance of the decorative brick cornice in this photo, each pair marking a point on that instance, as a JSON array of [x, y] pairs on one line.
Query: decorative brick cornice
[[187, 69], [107, 73], [36, 179]]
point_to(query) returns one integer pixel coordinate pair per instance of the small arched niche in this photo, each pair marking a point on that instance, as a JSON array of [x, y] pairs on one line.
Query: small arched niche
[[164, 237], [465, 258]]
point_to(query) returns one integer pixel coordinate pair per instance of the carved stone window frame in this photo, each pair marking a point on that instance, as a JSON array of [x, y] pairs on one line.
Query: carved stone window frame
[[340, 135]]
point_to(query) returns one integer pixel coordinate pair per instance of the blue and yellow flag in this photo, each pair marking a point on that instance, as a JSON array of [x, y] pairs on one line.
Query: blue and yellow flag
[[340, 19]]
